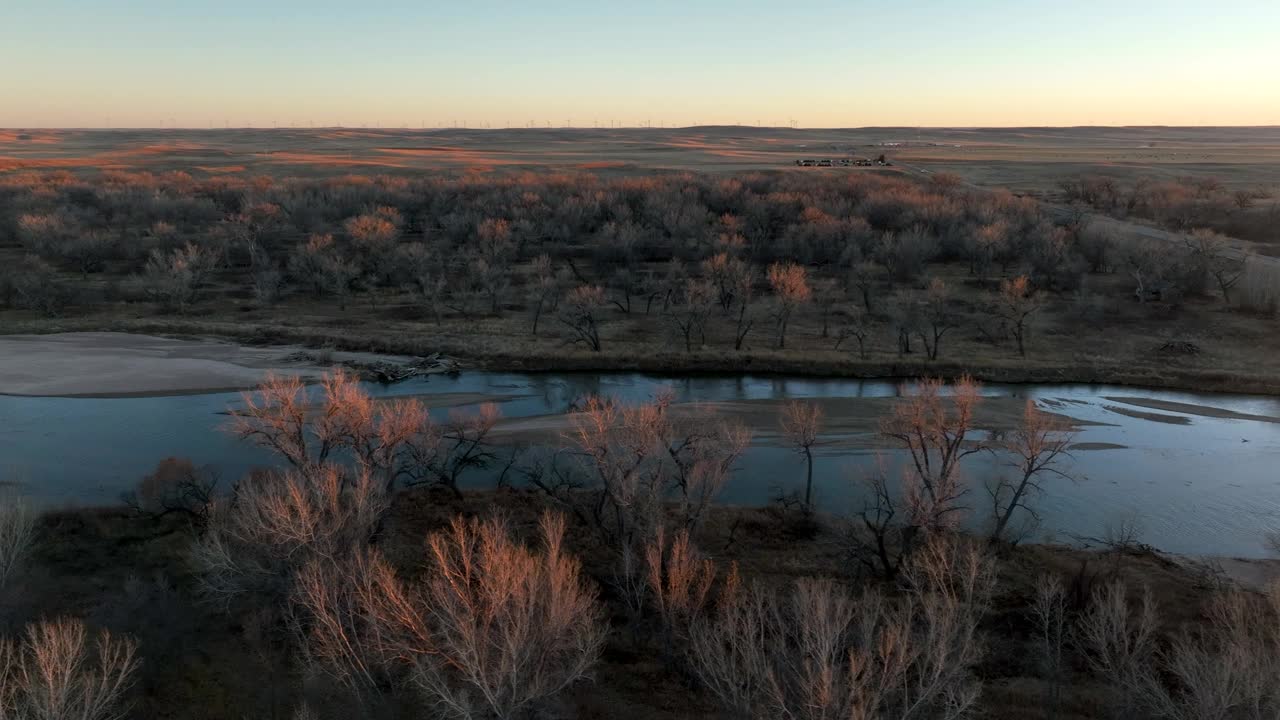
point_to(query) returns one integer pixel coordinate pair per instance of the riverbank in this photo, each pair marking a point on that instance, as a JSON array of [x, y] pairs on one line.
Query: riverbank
[[483, 345], [132, 575], [112, 364]]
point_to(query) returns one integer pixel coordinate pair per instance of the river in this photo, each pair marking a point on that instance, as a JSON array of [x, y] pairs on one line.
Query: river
[[1200, 470]]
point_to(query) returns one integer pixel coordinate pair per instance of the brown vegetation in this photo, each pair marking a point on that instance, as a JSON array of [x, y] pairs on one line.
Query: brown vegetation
[[624, 265]]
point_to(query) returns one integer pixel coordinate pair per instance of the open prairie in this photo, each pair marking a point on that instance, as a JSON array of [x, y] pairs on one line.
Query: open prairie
[[1025, 159]]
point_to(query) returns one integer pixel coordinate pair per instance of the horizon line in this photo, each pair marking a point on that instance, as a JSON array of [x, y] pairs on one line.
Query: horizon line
[[631, 127]]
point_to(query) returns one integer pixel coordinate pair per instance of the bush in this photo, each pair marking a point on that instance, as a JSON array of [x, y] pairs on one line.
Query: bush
[[17, 530], [54, 675]]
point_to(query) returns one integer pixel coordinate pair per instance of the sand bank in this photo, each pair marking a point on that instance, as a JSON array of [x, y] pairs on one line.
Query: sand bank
[[103, 364]]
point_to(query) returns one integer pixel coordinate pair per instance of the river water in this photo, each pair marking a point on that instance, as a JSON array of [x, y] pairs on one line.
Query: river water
[[1201, 471]]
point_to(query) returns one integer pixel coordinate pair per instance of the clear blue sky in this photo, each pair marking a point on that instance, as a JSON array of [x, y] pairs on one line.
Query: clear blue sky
[[148, 63]]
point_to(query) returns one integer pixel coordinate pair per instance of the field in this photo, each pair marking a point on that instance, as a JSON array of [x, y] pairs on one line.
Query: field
[[1031, 160]]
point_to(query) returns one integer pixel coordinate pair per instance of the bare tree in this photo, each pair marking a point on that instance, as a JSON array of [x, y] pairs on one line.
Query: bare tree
[[1036, 447], [1049, 612], [862, 279], [510, 627], [678, 580], [937, 317], [425, 275], [801, 425], [1212, 255], [1118, 642], [1017, 302], [280, 417], [934, 429], [854, 325], [877, 538], [175, 486], [175, 278], [628, 459], [744, 284], [492, 630], [58, 673], [790, 285], [690, 314], [580, 314], [440, 454], [543, 288], [309, 262], [17, 530], [1147, 263], [1227, 670], [279, 521], [816, 652]]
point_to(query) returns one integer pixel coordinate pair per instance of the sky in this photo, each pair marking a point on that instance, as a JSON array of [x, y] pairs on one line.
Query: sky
[[814, 63]]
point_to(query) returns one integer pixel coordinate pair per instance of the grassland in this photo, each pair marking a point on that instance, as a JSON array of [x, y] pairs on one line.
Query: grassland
[[1030, 160]]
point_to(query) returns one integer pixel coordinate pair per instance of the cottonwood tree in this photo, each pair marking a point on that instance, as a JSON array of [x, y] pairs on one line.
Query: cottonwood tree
[[17, 531], [905, 255], [790, 283], [1016, 305], [1229, 667], [691, 312], [374, 237], [905, 314], [176, 486], [937, 316], [675, 582], [340, 275], [854, 325], [425, 275], [863, 279], [543, 288], [175, 278], [744, 293], [801, 424], [815, 651], [581, 315], [493, 629], [34, 284], [725, 272], [1049, 614], [1037, 448], [58, 672], [1148, 264], [629, 459], [934, 428], [309, 262], [440, 454], [281, 417], [495, 250], [278, 522], [1118, 642], [1212, 255]]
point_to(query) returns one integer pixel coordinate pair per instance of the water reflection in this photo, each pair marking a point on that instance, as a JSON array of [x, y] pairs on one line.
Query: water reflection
[[1202, 483]]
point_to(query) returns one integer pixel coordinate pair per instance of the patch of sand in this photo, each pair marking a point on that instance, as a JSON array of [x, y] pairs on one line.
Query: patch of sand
[[104, 364], [1154, 417], [1190, 409], [1096, 446]]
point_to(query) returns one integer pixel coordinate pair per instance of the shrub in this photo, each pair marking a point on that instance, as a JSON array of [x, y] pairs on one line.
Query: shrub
[[17, 530], [54, 674]]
